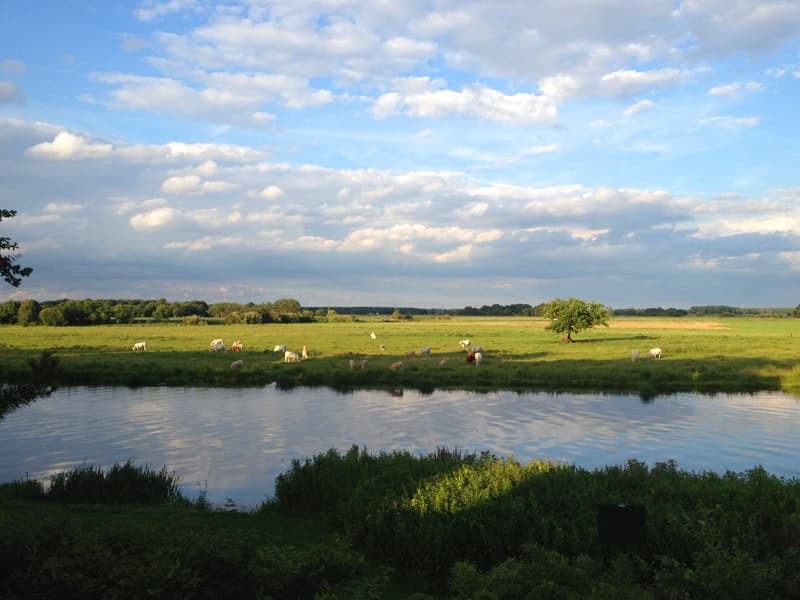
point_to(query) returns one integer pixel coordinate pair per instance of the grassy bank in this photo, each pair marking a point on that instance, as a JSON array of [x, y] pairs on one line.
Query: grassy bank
[[446, 525], [704, 355]]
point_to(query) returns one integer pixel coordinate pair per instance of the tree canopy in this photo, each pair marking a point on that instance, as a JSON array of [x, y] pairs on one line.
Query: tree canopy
[[10, 271], [574, 315]]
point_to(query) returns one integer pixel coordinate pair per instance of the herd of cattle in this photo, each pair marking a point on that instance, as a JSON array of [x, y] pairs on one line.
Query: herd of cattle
[[474, 354]]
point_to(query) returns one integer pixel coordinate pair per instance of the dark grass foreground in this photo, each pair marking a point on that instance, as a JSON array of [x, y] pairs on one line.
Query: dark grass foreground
[[394, 525]]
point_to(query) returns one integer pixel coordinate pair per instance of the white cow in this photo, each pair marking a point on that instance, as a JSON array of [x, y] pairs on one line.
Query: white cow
[[216, 342], [280, 348], [373, 336], [140, 347], [289, 356], [634, 355], [654, 353], [219, 347], [237, 364], [425, 351], [476, 349], [464, 344], [304, 354], [478, 358]]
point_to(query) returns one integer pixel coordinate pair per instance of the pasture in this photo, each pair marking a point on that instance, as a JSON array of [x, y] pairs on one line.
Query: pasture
[[702, 355]]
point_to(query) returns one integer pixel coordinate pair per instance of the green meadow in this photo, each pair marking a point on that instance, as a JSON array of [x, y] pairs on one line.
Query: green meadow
[[702, 355], [447, 525]]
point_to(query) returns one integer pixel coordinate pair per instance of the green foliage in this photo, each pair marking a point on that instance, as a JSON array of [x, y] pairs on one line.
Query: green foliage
[[11, 272], [52, 316], [506, 530], [28, 313], [121, 484], [574, 315]]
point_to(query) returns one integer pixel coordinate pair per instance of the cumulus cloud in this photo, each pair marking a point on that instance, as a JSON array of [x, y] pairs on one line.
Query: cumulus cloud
[[69, 146], [271, 192], [193, 184], [476, 101], [154, 219]]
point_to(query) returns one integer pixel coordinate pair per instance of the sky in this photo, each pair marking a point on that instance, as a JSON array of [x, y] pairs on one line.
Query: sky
[[437, 153]]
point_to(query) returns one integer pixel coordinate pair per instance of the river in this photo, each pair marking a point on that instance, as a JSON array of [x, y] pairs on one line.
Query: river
[[232, 443]]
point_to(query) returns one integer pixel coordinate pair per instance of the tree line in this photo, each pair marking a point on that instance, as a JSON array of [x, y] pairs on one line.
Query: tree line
[[109, 311], [289, 310]]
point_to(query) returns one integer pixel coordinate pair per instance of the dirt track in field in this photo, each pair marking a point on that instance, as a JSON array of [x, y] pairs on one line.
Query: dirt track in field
[[701, 325], [621, 324]]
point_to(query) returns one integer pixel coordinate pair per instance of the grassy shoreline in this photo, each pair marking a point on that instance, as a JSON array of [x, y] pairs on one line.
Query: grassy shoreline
[[700, 355], [392, 525]]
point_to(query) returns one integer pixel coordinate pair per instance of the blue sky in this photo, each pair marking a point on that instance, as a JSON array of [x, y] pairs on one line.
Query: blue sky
[[430, 153]]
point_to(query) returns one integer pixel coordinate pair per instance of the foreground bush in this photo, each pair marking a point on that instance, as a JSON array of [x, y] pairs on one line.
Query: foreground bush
[[708, 535]]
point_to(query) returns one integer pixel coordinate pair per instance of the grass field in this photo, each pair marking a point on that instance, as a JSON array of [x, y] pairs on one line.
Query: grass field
[[705, 355]]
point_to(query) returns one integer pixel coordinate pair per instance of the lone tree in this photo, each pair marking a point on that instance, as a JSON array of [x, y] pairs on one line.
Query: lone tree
[[10, 271], [574, 315]]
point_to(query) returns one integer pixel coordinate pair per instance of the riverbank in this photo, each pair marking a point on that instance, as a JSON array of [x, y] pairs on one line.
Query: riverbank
[[445, 525], [701, 355]]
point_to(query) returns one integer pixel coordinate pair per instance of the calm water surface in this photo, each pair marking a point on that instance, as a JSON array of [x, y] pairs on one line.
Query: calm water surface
[[234, 442]]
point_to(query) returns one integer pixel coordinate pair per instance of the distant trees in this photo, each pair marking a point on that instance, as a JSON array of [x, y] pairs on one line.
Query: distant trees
[[10, 270], [28, 312], [574, 315]]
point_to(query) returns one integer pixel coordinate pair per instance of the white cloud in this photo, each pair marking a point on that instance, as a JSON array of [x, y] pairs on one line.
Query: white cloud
[[729, 122], [152, 9], [734, 88], [62, 207], [155, 219], [476, 101], [193, 184], [639, 107], [12, 65], [9, 92], [69, 146], [271, 192], [213, 217]]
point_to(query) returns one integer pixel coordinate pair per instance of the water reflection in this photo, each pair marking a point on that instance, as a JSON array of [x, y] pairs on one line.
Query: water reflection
[[234, 442]]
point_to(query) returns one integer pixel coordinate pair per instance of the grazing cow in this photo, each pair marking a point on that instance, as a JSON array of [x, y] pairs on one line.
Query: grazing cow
[[364, 364], [140, 347], [654, 353], [478, 358], [289, 356], [216, 342], [304, 354], [236, 346], [373, 336], [470, 357], [476, 349], [426, 351], [279, 348], [442, 363], [397, 366], [219, 347], [237, 364], [411, 354], [464, 344]]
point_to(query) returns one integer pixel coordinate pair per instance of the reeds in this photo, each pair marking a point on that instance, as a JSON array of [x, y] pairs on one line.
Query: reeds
[[121, 484]]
